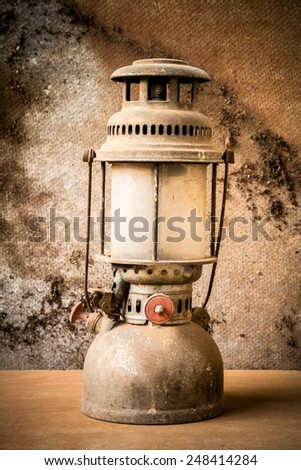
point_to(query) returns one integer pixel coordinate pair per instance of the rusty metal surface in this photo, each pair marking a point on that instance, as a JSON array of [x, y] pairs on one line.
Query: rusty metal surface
[[153, 375], [158, 274], [139, 295], [142, 262], [162, 123], [160, 67]]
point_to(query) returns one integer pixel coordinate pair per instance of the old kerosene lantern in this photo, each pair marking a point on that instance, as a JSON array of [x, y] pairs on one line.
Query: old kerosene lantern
[[152, 360]]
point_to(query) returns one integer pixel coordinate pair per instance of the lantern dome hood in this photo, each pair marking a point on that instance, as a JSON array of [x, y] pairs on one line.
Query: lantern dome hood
[[159, 119], [160, 67]]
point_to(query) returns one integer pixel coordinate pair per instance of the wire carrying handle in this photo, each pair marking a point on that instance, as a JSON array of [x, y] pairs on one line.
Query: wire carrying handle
[[228, 157], [88, 157]]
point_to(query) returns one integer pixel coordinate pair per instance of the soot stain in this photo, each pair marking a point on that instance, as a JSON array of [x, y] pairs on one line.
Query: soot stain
[[18, 189], [276, 208], [110, 34], [276, 173], [21, 87], [233, 116], [18, 92], [56, 290], [271, 172], [275, 153], [287, 328], [51, 314], [28, 29], [6, 18], [76, 16], [15, 98], [16, 184], [6, 228]]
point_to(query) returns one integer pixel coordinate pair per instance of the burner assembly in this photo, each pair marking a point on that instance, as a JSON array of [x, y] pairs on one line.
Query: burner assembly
[[152, 360]]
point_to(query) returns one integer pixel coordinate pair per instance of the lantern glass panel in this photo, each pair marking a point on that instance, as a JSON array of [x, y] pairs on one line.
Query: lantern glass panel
[[181, 203]]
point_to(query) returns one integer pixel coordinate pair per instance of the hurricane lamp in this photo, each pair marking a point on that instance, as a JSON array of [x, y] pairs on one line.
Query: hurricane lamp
[[152, 360]]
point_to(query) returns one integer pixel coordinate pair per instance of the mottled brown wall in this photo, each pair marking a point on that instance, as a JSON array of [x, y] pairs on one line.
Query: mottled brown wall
[[57, 58]]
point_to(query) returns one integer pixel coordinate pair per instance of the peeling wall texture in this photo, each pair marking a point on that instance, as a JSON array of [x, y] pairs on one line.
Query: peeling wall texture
[[56, 60]]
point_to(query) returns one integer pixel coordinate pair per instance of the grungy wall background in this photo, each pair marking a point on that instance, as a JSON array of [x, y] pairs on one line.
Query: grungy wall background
[[57, 57]]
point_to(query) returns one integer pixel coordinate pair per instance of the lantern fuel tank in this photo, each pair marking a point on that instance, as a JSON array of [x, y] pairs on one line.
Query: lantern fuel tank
[[152, 360]]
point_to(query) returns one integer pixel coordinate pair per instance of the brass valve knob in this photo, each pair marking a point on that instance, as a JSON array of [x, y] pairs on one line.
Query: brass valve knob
[[92, 321]]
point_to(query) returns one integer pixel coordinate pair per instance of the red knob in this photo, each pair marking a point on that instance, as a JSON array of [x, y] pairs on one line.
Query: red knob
[[159, 309]]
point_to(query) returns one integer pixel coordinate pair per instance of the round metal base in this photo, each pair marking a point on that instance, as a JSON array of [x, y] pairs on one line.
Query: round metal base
[[144, 374], [144, 417]]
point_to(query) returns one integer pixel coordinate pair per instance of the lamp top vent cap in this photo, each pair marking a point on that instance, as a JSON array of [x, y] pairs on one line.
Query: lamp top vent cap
[[160, 67]]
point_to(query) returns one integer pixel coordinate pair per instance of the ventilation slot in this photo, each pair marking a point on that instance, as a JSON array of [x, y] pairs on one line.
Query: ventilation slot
[[137, 129]]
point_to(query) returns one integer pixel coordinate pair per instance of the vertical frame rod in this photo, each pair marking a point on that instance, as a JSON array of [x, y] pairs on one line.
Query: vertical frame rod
[[156, 201], [213, 209], [103, 208], [88, 157]]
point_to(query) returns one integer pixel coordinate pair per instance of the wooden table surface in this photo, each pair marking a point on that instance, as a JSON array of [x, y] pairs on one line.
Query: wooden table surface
[[40, 410]]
